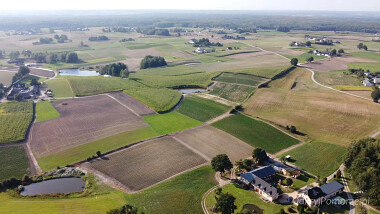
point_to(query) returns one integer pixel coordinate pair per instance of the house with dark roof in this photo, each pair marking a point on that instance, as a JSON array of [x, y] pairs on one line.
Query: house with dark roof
[[259, 181], [316, 195]]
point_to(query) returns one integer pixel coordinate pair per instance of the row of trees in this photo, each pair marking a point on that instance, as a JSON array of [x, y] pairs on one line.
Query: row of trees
[[54, 58], [154, 31], [152, 62], [98, 38], [115, 69], [22, 71], [61, 39], [362, 161], [204, 42]]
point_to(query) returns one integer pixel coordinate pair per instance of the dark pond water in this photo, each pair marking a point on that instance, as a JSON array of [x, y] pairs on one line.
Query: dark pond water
[[192, 90], [77, 72], [59, 185]]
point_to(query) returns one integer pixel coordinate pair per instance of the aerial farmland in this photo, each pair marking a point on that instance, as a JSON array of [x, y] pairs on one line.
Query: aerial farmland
[[170, 113]]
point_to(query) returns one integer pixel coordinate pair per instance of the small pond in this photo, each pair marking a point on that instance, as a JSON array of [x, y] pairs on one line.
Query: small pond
[[192, 90], [77, 72], [59, 185]]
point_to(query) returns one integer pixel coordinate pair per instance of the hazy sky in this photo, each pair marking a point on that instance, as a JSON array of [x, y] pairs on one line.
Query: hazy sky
[[335, 5]]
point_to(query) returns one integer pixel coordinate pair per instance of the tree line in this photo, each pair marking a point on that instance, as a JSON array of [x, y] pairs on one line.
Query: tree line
[[115, 69], [98, 38], [204, 42], [152, 62], [154, 31]]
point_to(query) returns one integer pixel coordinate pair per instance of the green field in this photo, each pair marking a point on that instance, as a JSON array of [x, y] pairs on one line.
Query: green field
[[256, 133], [334, 78], [170, 122], [82, 152], [201, 109], [244, 197], [367, 55], [60, 88], [45, 111], [237, 78], [181, 194], [233, 92], [373, 67], [303, 57], [266, 72], [14, 162], [15, 118], [317, 157], [6, 78]]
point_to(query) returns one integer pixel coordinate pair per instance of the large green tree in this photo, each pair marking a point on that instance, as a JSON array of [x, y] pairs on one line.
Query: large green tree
[[225, 203], [259, 155], [375, 95], [362, 161], [294, 61], [221, 163]]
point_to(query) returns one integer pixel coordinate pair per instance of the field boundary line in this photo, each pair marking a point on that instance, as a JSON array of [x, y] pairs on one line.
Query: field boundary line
[[33, 159], [192, 149], [289, 148], [72, 91], [125, 106]]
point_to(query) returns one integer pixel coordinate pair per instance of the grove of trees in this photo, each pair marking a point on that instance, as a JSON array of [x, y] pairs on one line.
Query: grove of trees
[[154, 31], [362, 46], [152, 62], [125, 209], [259, 155], [115, 69], [98, 38], [362, 161], [204, 42]]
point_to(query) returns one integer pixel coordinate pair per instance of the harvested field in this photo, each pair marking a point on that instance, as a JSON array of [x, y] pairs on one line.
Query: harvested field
[[212, 141], [135, 56], [42, 72], [320, 113], [148, 163], [290, 52], [132, 103], [249, 55], [232, 92], [6, 77], [82, 121], [334, 64]]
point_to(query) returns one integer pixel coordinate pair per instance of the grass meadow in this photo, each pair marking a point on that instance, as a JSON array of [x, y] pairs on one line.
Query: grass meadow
[[14, 162], [232, 92], [335, 78], [170, 122], [201, 109], [237, 78], [45, 111], [255, 133], [318, 158], [367, 55], [60, 88]]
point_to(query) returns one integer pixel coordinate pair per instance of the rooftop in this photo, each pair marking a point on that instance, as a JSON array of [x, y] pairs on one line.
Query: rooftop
[[331, 187]]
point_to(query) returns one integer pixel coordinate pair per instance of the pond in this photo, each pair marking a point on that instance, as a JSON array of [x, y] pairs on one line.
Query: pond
[[77, 72], [192, 90], [59, 185]]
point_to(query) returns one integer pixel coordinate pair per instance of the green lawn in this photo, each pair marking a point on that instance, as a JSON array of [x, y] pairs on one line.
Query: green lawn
[[201, 109], [303, 57], [15, 118], [256, 133], [60, 88], [13, 162], [170, 122], [244, 197], [367, 55], [244, 79], [181, 194], [45, 111], [318, 158], [82, 152]]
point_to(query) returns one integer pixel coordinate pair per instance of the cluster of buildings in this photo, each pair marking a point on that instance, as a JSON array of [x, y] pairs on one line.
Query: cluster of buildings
[[315, 196], [201, 50], [323, 53], [25, 92], [236, 37], [262, 181], [370, 79], [298, 44], [321, 39]]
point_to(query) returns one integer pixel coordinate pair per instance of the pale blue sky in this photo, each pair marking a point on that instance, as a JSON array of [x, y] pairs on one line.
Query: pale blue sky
[[332, 5]]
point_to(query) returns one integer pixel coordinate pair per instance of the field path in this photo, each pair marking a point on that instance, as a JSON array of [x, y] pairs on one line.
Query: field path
[[192, 149], [34, 167], [220, 117], [289, 148], [123, 105]]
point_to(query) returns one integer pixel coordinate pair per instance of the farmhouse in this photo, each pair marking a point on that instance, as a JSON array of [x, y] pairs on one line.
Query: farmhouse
[[201, 50], [367, 83], [259, 181], [20, 89], [317, 195], [229, 49], [286, 170], [192, 41], [376, 80], [325, 53]]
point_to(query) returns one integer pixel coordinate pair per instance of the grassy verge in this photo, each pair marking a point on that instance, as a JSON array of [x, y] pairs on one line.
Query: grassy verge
[[170, 122], [201, 109], [352, 88], [60, 88], [256, 133], [82, 152], [14, 162], [318, 158], [181, 194], [244, 197], [45, 111]]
